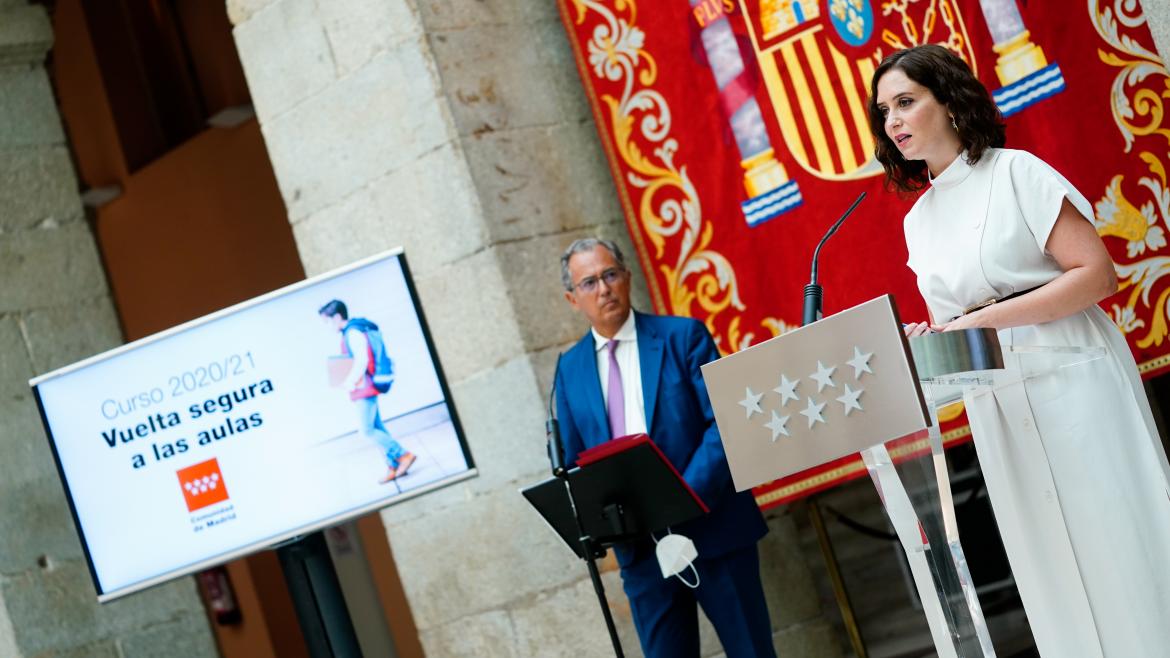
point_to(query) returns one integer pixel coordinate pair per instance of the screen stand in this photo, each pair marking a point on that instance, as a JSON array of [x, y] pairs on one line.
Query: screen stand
[[317, 598]]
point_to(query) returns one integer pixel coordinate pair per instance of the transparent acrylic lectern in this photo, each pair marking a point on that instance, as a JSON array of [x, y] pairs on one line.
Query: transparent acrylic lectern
[[914, 484]]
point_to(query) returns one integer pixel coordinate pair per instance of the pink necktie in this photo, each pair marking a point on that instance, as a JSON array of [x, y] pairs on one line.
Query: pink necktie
[[615, 405]]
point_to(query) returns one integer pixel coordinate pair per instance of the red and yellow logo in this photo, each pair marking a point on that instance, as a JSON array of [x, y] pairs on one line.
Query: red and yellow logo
[[202, 484]]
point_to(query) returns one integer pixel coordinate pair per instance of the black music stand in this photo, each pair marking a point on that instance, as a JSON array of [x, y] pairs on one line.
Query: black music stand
[[620, 491]]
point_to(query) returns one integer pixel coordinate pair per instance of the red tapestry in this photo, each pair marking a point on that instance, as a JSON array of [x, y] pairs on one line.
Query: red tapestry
[[736, 134]]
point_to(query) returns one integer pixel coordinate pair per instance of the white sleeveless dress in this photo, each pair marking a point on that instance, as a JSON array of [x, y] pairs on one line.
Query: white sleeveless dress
[[1075, 471]]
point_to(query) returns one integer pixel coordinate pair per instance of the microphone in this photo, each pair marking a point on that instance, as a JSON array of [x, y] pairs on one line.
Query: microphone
[[552, 429], [813, 292]]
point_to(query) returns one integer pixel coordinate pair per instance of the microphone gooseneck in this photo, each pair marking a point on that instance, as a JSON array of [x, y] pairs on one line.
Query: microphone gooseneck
[[813, 293], [552, 429]]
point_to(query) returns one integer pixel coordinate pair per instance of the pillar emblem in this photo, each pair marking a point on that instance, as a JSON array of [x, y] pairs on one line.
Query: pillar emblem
[[1023, 70], [770, 192]]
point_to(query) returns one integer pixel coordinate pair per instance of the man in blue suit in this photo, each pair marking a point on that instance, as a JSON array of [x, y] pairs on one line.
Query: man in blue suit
[[633, 373]]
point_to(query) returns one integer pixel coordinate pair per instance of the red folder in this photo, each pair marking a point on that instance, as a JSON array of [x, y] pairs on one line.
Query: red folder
[[623, 443]]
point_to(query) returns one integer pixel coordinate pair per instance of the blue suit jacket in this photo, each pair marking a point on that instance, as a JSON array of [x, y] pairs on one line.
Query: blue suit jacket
[[680, 421]]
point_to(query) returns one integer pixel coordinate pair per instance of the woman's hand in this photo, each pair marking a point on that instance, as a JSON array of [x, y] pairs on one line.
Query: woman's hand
[[913, 329]]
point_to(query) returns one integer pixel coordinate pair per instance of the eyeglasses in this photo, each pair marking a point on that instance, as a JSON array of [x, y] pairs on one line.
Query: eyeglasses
[[588, 285]]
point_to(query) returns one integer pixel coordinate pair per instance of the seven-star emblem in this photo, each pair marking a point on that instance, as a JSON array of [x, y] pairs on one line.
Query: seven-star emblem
[[813, 412], [850, 399], [777, 425], [751, 403], [860, 362], [824, 376], [787, 390]]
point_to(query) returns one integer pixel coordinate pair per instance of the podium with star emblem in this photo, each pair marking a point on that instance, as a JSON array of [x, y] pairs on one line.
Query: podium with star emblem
[[849, 384], [833, 388]]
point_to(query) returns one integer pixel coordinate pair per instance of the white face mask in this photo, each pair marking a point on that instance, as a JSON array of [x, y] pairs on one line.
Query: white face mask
[[675, 554]]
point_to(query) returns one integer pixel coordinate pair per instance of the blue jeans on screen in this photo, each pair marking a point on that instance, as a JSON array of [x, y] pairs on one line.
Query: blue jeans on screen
[[372, 427]]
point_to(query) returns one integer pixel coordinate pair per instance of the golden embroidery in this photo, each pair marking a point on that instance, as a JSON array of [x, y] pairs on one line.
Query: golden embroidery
[[669, 208], [916, 33], [1138, 108]]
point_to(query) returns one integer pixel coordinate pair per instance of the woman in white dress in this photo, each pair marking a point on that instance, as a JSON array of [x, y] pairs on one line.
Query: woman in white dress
[[1076, 473]]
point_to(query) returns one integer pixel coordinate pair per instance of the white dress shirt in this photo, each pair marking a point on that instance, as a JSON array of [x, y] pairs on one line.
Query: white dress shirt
[[627, 359]]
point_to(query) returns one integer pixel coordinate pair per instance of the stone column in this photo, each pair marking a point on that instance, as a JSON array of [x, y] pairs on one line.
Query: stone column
[[55, 309], [460, 130]]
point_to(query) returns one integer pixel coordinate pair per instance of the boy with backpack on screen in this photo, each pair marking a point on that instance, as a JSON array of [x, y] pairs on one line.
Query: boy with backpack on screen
[[371, 374]]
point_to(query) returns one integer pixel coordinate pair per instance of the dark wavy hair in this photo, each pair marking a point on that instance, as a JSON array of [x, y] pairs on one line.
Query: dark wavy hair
[[951, 82], [334, 307]]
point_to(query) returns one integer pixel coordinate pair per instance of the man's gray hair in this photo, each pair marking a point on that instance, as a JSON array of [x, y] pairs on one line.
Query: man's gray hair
[[587, 244]]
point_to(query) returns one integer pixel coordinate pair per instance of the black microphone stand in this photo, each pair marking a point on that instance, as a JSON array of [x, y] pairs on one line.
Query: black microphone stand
[[813, 293], [556, 458]]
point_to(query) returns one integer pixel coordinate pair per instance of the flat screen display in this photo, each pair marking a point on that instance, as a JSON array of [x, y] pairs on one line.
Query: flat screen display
[[279, 416]]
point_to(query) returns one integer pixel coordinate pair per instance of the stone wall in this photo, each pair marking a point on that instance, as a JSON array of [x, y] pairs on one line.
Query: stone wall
[[460, 130], [55, 309]]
